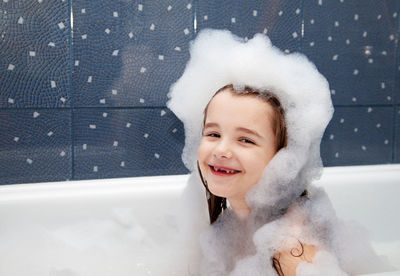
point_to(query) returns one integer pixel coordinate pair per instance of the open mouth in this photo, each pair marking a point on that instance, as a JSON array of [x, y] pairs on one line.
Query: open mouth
[[223, 170]]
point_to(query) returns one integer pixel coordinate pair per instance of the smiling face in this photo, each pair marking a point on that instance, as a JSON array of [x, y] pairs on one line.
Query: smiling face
[[238, 142]]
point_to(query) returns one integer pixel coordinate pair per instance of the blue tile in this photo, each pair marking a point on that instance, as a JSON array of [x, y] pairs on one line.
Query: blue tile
[[34, 54], [35, 145], [281, 20], [128, 54], [127, 142], [359, 136], [353, 43], [397, 136]]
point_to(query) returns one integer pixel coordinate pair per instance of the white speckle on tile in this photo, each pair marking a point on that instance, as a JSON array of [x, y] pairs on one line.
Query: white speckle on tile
[[83, 10], [355, 130], [383, 86], [128, 125], [11, 67], [63, 100], [160, 57], [156, 155], [331, 137], [107, 31], [16, 139], [140, 7], [141, 100], [142, 70], [52, 44], [384, 53], [341, 120], [76, 62], [105, 114], [337, 155], [84, 36], [333, 91], [320, 2], [294, 35], [280, 13], [335, 57], [152, 27], [255, 13], [169, 8], [186, 31], [177, 48], [50, 133], [233, 20], [30, 161], [84, 146], [369, 110], [115, 14], [122, 164], [92, 126], [312, 43], [189, 6], [370, 60], [205, 17], [391, 37], [265, 31], [21, 20], [287, 51], [312, 21], [36, 114], [354, 99], [174, 130], [115, 144], [347, 41], [356, 16], [162, 113], [114, 91], [53, 84], [298, 11], [10, 100], [61, 25], [95, 169], [355, 72], [90, 78], [394, 14], [379, 16], [378, 125], [32, 53], [130, 35], [329, 38], [336, 23], [386, 142], [62, 153], [146, 135], [364, 148], [389, 98], [365, 33], [115, 53]]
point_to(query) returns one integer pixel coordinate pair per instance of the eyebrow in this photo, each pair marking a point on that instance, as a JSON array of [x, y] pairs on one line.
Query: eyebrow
[[243, 129]]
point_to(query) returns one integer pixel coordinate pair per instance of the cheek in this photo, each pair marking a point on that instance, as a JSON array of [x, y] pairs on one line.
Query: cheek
[[202, 151]]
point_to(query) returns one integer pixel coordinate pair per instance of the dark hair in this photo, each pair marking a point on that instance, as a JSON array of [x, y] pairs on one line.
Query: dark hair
[[217, 204]]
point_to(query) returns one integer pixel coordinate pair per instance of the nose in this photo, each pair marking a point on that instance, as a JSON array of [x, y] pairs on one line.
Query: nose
[[222, 149]]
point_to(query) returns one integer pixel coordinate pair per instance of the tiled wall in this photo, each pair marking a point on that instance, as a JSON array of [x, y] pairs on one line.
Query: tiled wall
[[83, 84]]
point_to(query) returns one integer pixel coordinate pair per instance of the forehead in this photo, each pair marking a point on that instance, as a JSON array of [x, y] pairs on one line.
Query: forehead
[[240, 108]]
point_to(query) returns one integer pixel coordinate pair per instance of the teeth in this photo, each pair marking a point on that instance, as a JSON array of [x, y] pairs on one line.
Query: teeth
[[222, 170]]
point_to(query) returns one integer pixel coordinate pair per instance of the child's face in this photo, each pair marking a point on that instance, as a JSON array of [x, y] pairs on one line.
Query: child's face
[[237, 144]]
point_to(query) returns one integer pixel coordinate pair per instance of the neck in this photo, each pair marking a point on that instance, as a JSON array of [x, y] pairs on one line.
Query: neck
[[240, 207]]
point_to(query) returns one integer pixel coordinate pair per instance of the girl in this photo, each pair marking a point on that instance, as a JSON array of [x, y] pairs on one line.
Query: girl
[[254, 118]]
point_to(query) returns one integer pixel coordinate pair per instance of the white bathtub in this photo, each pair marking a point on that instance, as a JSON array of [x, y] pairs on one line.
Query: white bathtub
[[112, 226]]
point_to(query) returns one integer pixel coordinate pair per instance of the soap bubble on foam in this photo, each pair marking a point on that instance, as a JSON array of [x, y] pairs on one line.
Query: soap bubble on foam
[[219, 58]]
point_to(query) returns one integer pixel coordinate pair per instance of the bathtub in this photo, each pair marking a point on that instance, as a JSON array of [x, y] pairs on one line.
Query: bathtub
[[115, 226]]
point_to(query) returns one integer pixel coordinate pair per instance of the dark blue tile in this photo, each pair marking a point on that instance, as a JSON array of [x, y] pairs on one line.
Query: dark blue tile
[[359, 136], [34, 54], [281, 20], [353, 43], [127, 142], [35, 145], [129, 54], [397, 136]]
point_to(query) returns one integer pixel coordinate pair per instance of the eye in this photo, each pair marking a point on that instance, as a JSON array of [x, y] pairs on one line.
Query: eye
[[213, 134], [247, 141]]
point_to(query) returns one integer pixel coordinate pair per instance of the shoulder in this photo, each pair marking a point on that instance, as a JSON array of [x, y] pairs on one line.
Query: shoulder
[[286, 261]]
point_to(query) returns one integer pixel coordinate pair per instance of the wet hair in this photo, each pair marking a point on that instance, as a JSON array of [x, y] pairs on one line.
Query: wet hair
[[217, 204]]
